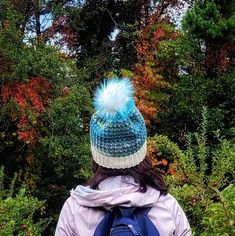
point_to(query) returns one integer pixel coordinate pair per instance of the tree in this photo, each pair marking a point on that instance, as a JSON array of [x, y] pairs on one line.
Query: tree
[[44, 114], [156, 71], [204, 56], [213, 22]]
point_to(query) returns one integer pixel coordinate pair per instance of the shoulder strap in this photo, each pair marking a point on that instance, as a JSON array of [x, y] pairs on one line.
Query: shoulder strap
[[126, 212], [143, 211], [104, 227], [146, 225]]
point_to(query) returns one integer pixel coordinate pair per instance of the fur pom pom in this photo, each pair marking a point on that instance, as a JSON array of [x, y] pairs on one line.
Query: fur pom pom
[[114, 96]]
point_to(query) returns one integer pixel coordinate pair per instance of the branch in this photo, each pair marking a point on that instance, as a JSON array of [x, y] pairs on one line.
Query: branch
[[110, 14]]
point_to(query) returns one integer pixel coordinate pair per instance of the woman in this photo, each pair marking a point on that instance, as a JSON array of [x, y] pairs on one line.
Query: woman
[[123, 174]]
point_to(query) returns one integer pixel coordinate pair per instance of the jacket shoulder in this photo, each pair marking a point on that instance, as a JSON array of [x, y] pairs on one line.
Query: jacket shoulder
[[177, 213], [169, 201]]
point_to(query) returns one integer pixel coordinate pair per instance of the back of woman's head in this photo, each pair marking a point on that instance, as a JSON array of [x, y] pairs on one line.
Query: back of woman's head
[[118, 137]]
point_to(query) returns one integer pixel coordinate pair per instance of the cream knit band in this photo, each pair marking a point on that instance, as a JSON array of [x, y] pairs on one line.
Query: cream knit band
[[119, 162]]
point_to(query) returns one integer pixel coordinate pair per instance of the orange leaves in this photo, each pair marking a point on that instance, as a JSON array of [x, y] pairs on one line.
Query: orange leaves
[[164, 165], [174, 35], [33, 94], [28, 136], [159, 161], [30, 98], [142, 49], [159, 33], [163, 154], [171, 170], [149, 72], [146, 109]]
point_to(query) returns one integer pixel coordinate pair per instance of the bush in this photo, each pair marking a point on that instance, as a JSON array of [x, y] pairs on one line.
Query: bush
[[220, 216], [201, 172], [65, 141], [18, 212]]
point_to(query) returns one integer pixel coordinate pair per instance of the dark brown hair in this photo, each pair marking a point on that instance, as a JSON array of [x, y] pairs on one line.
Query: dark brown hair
[[144, 174]]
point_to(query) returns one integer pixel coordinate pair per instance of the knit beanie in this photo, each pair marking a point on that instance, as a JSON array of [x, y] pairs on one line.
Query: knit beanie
[[117, 129]]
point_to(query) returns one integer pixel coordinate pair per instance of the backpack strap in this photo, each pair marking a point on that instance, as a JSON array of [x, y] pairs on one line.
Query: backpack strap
[[106, 223], [145, 223], [126, 212], [143, 211]]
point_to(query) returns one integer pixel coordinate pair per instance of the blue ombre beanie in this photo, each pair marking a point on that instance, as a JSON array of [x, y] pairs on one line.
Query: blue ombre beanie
[[117, 129]]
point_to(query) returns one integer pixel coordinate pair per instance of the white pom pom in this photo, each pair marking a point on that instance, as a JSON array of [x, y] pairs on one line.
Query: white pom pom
[[114, 96]]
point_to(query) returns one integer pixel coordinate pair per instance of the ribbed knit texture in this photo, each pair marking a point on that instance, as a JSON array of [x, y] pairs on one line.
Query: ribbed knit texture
[[118, 139]]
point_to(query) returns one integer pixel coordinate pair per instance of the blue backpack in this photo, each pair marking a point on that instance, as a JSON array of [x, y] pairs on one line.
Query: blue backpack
[[126, 222]]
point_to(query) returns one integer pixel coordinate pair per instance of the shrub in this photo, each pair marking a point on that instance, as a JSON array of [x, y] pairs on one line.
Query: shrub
[[201, 172], [220, 216], [65, 140], [18, 211]]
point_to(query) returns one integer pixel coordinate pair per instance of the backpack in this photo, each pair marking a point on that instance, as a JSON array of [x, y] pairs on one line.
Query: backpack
[[126, 222]]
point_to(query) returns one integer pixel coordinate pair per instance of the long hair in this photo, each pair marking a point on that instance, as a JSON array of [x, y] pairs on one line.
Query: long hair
[[144, 174]]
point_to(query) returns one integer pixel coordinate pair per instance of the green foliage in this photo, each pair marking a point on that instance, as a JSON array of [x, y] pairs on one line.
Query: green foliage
[[64, 148], [18, 212], [181, 100], [10, 50], [190, 94], [201, 171], [42, 60], [125, 55], [92, 70], [186, 52], [168, 150], [205, 76], [211, 19], [59, 160], [20, 61], [47, 61], [91, 42], [65, 141], [219, 217]]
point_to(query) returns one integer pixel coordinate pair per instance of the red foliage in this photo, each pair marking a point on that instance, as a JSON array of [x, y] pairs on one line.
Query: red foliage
[[28, 136], [148, 75], [159, 161], [159, 33], [219, 57], [31, 99], [174, 35]]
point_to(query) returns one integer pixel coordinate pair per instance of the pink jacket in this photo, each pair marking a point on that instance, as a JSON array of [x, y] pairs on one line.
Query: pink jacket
[[80, 217]]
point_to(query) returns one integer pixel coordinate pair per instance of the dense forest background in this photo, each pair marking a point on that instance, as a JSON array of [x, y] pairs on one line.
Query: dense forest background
[[180, 55]]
